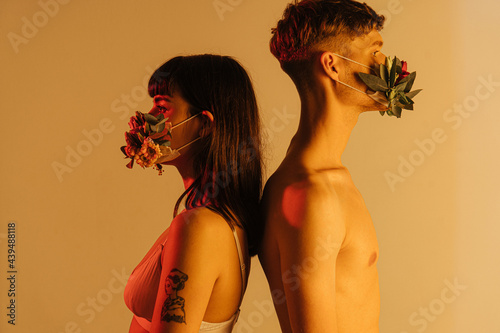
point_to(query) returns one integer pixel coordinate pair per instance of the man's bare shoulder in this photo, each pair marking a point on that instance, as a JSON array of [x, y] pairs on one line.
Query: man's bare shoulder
[[290, 179], [293, 195]]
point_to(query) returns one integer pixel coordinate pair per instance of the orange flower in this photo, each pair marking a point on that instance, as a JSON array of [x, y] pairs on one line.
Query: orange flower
[[148, 154], [148, 132]]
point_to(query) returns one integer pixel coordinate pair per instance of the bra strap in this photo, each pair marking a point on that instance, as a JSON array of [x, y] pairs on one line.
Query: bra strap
[[242, 262]]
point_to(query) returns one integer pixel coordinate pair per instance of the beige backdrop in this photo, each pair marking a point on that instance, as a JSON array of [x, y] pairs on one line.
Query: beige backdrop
[[72, 72]]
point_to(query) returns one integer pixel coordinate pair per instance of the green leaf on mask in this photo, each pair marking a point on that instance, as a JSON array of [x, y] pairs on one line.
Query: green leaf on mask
[[410, 79], [165, 143], [392, 94], [400, 87], [392, 77], [150, 119], [396, 110], [373, 82], [409, 107], [413, 93], [382, 113], [160, 126], [388, 63], [157, 128], [383, 72], [404, 100], [398, 65]]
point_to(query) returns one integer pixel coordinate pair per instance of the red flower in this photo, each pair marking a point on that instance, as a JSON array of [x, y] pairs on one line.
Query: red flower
[[133, 146], [404, 71], [137, 121], [404, 66]]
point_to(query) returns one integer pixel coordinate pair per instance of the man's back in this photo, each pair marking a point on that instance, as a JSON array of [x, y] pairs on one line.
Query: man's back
[[319, 251]]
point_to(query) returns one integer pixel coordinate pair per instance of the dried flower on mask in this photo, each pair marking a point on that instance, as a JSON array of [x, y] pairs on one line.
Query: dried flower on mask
[[147, 135]]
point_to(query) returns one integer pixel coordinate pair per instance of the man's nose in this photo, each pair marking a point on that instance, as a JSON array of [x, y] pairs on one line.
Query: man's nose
[[380, 58]]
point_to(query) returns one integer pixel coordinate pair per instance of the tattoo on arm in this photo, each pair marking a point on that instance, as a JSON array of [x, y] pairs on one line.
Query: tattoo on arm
[[173, 308]]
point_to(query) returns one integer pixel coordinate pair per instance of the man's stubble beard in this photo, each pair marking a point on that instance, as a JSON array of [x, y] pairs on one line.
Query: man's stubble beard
[[355, 98]]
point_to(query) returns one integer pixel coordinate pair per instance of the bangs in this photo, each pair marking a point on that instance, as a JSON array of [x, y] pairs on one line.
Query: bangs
[[160, 85], [163, 81]]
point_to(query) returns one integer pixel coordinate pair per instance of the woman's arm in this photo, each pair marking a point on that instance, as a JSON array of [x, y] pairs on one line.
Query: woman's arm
[[190, 266], [135, 327]]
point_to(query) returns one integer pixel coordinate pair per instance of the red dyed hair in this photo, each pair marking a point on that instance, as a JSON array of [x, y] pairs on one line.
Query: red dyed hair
[[309, 24]]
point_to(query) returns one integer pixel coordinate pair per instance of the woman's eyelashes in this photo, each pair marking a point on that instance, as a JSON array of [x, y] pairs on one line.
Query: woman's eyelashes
[[161, 108]]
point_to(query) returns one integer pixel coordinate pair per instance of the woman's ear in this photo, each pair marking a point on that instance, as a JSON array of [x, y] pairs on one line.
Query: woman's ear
[[208, 123]]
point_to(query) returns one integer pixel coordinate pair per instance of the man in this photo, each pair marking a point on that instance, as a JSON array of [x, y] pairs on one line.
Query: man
[[319, 250]]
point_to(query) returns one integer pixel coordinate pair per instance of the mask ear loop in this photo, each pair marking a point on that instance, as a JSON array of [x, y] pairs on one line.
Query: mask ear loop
[[187, 144], [338, 55], [185, 121], [345, 84], [369, 95]]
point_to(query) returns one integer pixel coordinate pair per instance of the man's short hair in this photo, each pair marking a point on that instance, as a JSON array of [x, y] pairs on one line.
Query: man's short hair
[[317, 25]]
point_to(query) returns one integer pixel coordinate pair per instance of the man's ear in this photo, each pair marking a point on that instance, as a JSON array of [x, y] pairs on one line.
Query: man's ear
[[208, 123], [330, 65]]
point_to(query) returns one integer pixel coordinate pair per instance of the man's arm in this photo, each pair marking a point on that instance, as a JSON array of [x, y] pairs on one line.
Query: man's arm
[[313, 231]]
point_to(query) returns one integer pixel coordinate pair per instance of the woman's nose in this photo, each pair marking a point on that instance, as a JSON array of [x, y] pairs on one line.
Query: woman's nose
[[155, 111]]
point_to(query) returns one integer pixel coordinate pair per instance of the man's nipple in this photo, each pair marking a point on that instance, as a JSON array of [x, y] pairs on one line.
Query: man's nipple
[[373, 259]]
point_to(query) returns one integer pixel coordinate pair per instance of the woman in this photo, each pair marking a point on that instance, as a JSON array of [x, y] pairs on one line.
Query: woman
[[194, 277]]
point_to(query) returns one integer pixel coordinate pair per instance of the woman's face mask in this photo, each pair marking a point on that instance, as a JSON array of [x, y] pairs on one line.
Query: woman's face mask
[[148, 141], [168, 154]]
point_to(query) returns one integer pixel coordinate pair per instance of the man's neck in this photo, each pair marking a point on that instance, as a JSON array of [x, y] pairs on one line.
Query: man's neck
[[324, 129]]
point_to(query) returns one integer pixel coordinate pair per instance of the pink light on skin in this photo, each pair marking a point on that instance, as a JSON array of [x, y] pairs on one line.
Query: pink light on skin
[[294, 203]]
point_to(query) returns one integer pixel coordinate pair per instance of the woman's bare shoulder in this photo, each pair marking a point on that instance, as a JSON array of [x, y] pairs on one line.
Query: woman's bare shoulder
[[201, 226]]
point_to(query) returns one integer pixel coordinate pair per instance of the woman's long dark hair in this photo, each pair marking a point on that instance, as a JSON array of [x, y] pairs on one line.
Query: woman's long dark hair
[[229, 161]]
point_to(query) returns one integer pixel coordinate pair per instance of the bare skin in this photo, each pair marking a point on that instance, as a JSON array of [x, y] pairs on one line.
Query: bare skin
[[320, 250]]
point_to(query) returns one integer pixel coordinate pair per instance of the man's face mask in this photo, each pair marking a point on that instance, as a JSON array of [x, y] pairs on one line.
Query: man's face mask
[[376, 96], [391, 84]]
